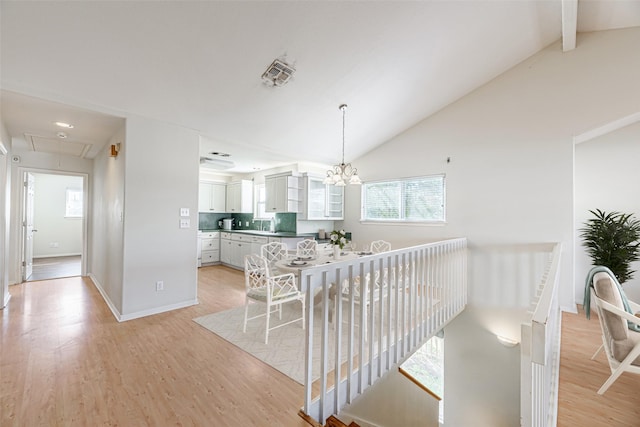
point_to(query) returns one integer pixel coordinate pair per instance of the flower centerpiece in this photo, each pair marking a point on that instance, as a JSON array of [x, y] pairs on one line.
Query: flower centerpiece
[[338, 238]]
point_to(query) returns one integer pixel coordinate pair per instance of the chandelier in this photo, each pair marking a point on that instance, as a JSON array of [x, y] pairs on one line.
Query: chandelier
[[342, 174]]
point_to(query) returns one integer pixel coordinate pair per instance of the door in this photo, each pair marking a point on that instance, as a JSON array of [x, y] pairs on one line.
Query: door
[[29, 187]]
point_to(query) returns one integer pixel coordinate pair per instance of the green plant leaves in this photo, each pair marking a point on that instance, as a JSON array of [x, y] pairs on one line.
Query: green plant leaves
[[611, 240]]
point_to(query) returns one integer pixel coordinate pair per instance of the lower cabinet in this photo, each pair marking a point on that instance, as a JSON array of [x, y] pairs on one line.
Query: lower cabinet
[[235, 246], [210, 247], [291, 242], [225, 248]]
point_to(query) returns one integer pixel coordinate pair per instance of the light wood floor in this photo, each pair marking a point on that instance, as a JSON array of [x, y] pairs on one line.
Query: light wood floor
[[65, 361], [581, 377], [55, 267]]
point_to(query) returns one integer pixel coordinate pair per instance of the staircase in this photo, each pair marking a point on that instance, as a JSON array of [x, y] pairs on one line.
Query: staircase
[[334, 422], [416, 291]]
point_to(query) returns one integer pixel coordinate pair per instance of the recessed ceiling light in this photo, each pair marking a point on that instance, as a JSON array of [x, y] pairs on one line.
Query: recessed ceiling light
[[64, 125], [61, 135]]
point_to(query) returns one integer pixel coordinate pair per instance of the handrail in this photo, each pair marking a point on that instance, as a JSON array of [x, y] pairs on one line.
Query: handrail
[[540, 351], [415, 292]]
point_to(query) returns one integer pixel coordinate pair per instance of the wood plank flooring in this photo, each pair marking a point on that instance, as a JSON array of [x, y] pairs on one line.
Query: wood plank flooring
[[65, 361], [581, 377], [55, 267]]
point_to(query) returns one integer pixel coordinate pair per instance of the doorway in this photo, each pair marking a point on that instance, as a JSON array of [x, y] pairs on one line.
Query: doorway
[[54, 226]]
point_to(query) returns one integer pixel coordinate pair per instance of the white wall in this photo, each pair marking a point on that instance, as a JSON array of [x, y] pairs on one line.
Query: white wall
[[5, 204], [57, 235], [106, 225], [393, 401], [161, 176], [606, 178], [510, 179]]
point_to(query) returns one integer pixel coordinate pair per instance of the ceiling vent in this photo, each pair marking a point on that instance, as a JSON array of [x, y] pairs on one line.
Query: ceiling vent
[[278, 73], [219, 164]]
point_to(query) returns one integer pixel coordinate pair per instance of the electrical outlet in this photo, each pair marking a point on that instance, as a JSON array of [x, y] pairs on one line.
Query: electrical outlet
[[185, 223], [159, 285]]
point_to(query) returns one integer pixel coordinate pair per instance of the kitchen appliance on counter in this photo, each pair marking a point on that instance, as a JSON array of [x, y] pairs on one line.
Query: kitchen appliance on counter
[[227, 224]]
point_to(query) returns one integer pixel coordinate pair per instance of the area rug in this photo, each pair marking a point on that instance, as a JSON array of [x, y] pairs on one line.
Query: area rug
[[285, 351]]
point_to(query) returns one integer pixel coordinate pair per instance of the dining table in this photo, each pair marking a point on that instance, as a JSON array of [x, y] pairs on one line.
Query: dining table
[[296, 264]]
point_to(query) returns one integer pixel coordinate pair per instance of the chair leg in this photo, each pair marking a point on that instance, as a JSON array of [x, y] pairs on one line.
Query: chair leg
[[266, 332], [614, 376], [597, 351], [246, 312]]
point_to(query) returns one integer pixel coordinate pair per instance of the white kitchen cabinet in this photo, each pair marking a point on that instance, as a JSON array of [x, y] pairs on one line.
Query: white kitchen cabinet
[[225, 248], [212, 197], [240, 246], [210, 247], [322, 201], [235, 246], [282, 193], [256, 244], [240, 197], [291, 242]]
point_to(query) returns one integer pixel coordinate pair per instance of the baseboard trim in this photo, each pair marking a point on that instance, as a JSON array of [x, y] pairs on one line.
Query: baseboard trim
[[7, 297], [158, 310], [138, 314], [105, 297], [56, 255]]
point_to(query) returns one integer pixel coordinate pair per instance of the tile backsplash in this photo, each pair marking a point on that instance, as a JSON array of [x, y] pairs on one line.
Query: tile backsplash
[[284, 222]]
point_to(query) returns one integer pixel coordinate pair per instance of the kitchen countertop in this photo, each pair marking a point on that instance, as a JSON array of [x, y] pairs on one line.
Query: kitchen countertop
[[265, 233]]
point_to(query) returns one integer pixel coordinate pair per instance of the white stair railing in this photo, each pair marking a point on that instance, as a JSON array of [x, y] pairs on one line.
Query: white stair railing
[[415, 291], [540, 351]]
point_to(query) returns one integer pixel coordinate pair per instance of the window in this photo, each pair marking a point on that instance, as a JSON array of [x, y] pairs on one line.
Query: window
[[412, 200], [73, 205], [261, 203]]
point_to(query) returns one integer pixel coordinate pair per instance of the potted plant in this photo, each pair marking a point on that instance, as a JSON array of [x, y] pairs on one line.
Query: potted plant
[[611, 240]]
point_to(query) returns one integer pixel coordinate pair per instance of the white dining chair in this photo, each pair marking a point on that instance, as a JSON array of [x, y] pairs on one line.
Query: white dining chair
[[274, 252], [307, 248], [378, 246], [272, 291]]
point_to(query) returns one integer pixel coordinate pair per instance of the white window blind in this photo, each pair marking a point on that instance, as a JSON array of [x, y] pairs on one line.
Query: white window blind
[[411, 200]]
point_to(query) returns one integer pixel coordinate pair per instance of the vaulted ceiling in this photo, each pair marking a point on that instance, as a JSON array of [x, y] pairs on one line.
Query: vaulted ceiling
[[198, 64]]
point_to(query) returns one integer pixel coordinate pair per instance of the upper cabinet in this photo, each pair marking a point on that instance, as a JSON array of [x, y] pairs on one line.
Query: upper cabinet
[[212, 197], [282, 193], [240, 197], [322, 201]]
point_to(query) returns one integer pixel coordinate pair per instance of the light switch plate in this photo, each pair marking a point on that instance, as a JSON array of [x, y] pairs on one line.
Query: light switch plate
[[185, 223], [184, 211]]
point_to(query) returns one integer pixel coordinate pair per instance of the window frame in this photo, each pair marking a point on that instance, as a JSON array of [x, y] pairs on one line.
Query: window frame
[[258, 202], [71, 213], [402, 219]]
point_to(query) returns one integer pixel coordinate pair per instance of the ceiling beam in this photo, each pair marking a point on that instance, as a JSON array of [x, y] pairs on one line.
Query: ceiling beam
[[569, 24]]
